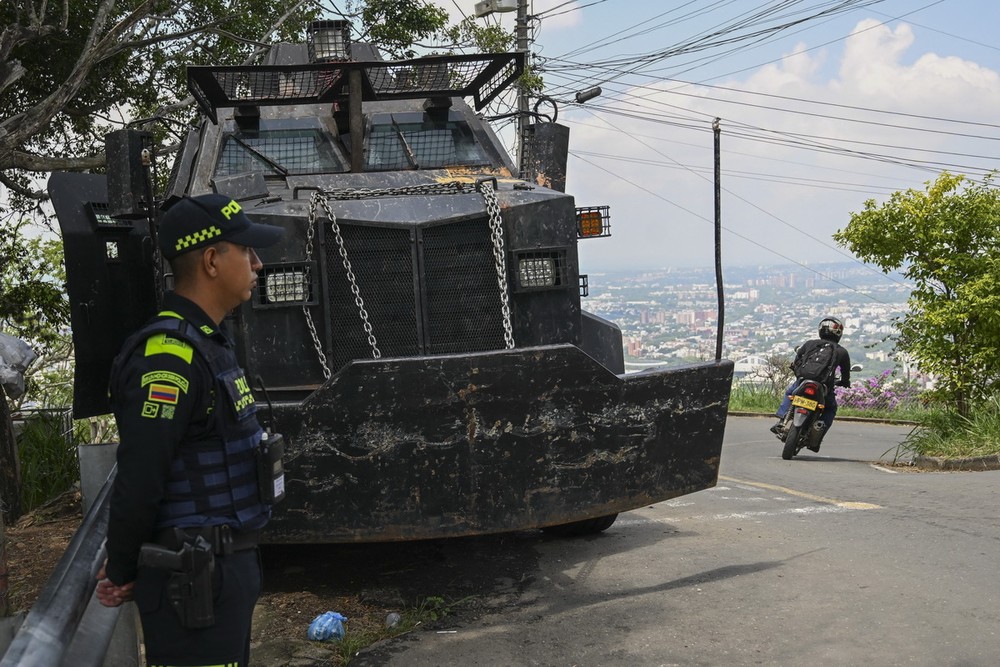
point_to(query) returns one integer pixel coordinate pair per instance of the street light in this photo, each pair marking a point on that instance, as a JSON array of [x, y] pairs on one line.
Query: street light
[[587, 95], [487, 7]]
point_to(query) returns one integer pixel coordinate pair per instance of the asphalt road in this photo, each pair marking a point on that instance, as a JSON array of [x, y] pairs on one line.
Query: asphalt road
[[828, 559]]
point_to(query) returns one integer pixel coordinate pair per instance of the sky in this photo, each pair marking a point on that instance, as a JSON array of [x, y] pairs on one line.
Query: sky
[[815, 119]]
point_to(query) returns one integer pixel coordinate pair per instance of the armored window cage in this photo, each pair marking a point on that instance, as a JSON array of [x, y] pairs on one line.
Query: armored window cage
[[299, 151], [584, 285], [540, 270], [287, 284], [480, 76], [593, 221], [100, 215], [425, 145]]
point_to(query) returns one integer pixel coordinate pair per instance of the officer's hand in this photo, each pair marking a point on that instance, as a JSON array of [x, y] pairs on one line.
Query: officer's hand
[[110, 594]]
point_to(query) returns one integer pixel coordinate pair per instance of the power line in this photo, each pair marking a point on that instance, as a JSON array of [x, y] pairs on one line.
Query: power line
[[745, 238], [787, 224]]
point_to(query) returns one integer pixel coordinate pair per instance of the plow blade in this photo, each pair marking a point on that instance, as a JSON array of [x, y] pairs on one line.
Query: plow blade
[[446, 446]]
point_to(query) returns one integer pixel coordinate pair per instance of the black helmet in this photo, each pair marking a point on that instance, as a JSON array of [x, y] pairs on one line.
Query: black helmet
[[830, 328]]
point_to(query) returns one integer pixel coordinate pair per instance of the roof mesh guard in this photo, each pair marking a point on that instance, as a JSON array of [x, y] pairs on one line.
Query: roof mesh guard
[[480, 76]]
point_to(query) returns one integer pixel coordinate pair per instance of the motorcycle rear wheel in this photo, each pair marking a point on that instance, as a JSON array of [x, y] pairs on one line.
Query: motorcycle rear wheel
[[791, 447]]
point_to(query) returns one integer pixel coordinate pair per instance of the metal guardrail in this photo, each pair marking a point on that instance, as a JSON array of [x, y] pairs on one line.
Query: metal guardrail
[[67, 625]]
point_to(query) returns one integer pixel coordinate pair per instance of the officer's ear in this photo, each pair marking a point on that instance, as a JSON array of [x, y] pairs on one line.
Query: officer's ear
[[210, 258]]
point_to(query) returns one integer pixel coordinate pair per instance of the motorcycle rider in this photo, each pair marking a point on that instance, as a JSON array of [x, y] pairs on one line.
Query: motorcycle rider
[[830, 329]]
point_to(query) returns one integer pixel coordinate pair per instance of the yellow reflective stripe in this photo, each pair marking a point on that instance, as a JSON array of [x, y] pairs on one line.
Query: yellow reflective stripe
[[164, 344], [170, 313], [202, 235]]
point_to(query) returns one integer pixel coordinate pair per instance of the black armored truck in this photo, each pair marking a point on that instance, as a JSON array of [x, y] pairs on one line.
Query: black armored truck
[[418, 335]]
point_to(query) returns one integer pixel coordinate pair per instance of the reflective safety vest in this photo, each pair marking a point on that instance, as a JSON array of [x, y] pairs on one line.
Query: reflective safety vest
[[212, 481]]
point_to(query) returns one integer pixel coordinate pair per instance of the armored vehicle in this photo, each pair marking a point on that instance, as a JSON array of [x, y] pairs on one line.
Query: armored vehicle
[[417, 336]]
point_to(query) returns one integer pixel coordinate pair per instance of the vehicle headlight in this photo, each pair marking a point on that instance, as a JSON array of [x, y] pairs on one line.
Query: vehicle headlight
[[536, 272]]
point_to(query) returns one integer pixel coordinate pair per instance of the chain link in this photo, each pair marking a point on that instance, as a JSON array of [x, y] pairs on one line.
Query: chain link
[[449, 188], [496, 227], [453, 187], [310, 237], [342, 249]]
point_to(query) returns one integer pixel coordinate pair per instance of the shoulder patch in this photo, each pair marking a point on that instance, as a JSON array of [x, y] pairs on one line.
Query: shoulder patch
[[164, 344], [166, 376]]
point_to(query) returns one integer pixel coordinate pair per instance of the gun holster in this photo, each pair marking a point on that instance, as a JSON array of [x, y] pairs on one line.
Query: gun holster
[[189, 586]]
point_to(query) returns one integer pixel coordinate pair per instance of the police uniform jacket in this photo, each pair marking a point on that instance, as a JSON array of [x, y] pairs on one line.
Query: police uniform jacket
[[165, 396]]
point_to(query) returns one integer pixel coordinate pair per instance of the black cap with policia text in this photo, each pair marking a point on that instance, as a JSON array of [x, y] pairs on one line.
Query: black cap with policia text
[[196, 222]]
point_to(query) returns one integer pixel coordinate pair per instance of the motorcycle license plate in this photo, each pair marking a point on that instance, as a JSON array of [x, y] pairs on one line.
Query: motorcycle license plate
[[806, 403]]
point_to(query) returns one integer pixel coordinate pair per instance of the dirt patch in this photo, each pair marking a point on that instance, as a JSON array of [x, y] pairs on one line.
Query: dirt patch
[[431, 584], [35, 543]]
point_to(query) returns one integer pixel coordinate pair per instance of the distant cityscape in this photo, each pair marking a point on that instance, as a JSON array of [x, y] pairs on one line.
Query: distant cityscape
[[670, 316]]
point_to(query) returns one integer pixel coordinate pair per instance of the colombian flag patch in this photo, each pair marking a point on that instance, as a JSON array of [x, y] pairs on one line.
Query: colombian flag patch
[[163, 393]]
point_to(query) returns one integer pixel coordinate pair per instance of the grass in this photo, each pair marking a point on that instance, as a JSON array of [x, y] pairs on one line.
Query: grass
[[362, 635], [46, 451], [939, 432], [948, 434], [750, 398]]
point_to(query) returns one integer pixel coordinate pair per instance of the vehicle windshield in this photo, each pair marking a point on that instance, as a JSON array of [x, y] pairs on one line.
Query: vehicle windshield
[[426, 145], [279, 153]]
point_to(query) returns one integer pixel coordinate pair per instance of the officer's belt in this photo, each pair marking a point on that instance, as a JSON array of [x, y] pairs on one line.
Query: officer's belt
[[224, 540]]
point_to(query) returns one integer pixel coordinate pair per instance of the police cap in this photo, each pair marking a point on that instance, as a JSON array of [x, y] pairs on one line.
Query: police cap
[[195, 222]]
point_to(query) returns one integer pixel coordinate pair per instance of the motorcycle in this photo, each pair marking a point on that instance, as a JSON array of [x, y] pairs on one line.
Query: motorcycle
[[803, 426]]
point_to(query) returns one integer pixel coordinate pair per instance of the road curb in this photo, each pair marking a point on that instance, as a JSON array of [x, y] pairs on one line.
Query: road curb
[[846, 418], [991, 462]]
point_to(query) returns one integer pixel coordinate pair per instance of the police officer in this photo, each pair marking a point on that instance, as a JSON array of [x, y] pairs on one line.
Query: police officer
[[187, 483]]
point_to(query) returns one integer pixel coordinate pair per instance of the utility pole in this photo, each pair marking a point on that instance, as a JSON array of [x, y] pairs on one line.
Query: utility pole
[[717, 131], [522, 94]]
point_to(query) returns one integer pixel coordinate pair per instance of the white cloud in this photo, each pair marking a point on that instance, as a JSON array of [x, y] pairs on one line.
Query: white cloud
[[872, 72]]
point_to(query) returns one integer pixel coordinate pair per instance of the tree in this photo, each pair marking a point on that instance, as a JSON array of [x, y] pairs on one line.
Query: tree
[[70, 71], [73, 70], [945, 239]]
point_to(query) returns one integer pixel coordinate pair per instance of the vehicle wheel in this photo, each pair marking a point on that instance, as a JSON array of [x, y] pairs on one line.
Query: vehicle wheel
[[791, 443], [580, 528]]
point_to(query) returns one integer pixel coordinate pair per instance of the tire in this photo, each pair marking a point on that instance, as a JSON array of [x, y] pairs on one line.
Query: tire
[[580, 528], [791, 443]]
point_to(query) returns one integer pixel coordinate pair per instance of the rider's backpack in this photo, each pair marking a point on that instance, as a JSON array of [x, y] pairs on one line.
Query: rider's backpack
[[818, 363]]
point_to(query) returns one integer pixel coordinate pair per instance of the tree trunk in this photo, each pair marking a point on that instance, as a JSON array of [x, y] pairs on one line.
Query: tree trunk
[[4, 587], [10, 469]]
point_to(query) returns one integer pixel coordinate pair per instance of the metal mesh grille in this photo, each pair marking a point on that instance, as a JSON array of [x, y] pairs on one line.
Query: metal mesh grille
[[483, 76], [298, 151], [382, 261], [285, 285], [102, 215], [463, 298], [459, 283], [249, 85], [424, 145]]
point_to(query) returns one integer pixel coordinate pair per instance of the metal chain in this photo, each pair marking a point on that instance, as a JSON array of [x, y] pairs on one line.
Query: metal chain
[[496, 226], [449, 188], [365, 323], [310, 236], [452, 187]]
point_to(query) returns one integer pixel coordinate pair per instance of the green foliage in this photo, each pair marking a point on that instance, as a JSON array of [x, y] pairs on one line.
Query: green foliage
[[396, 25], [488, 38], [361, 634], [33, 303], [46, 449], [947, 241], [949, 434], [754, 398]]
